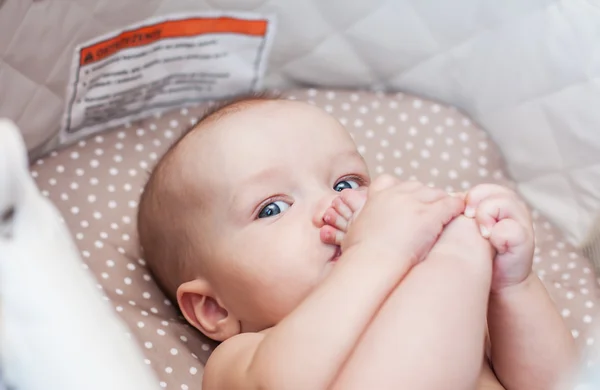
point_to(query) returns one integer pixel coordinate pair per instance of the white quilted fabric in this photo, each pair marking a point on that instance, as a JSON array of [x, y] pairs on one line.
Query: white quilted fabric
[[527, 70]]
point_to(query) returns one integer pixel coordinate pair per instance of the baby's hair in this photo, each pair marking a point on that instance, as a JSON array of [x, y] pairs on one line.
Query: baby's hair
[[164, 238]]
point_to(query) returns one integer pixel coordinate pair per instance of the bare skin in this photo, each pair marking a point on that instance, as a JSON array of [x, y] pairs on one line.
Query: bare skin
[[289, 313], [521, 315], [339, 311], [458, 269]]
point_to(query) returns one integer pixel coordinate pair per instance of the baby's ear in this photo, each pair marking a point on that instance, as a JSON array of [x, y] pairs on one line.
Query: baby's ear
[[202, 310]]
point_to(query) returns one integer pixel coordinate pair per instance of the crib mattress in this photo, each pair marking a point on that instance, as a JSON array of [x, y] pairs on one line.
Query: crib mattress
[[96, 185]]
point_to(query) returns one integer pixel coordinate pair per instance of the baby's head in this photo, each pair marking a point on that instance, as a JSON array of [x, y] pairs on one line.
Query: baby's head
[[229, 219]]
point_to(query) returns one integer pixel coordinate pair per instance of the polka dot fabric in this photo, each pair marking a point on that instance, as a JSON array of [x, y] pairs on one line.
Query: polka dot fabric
[[96, 185]]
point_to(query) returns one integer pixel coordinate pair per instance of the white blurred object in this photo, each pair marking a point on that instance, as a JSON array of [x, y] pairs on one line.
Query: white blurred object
[[56, 332]]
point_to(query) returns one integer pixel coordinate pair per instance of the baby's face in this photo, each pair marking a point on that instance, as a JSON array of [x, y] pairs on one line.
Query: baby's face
[[265, 176]]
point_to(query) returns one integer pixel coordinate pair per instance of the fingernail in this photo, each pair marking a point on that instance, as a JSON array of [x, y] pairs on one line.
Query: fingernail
[[469, 212], [485, 233]]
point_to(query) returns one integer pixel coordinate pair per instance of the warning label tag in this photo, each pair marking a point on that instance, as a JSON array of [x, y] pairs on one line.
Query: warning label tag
[[167, 62]]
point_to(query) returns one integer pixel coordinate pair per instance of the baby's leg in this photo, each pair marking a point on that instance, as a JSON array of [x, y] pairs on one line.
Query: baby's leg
[[429, 333]]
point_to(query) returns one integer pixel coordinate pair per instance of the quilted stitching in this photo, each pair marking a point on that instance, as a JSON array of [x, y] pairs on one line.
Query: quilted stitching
[[11, 16], [503, 64]]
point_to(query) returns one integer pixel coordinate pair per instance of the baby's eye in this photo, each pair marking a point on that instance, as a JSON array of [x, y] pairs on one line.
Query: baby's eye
[[346, 184], [273, 209]]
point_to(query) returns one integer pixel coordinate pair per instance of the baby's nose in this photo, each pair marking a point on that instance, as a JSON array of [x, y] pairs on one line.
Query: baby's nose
[[322, 205]]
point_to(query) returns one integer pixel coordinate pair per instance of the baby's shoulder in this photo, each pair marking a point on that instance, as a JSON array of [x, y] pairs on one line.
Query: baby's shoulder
[[235, 346], [227, 367], [230, 360]]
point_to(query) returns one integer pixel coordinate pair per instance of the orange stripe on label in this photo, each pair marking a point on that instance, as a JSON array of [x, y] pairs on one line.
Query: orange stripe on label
[[171, 29]]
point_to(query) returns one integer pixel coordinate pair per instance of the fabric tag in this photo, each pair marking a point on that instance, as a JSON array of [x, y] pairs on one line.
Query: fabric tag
[[166, 62]]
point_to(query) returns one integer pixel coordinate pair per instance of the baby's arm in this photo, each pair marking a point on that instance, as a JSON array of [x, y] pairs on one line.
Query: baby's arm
[[310, 346], [530, 344]]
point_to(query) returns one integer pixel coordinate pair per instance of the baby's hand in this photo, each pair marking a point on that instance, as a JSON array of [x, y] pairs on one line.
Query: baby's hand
[[505, 220], [391, 216]]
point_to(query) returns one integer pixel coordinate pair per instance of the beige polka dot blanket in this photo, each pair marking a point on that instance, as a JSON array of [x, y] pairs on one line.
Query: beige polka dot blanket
[[81, 311]]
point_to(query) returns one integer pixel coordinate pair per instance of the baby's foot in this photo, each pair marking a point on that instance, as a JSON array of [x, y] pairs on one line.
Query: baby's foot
[[340, 214], [461, 241]]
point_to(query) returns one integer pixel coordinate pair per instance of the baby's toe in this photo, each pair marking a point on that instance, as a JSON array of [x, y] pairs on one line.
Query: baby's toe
[[354, 199], [331, 235], [333, 218], [341, 207]]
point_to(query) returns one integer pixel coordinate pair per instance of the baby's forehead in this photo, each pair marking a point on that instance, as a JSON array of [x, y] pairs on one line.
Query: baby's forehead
[[277, 120], [250, 136], [232, 118]]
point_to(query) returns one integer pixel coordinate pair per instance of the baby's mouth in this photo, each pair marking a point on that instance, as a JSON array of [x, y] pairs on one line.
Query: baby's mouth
[[337, 254]]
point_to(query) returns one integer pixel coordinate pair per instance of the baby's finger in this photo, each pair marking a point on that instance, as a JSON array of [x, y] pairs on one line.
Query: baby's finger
[[333, 218], [507, 235], [481, 192], [331, 235], [494, 209]]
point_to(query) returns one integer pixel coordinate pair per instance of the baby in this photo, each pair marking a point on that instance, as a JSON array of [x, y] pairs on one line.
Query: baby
[[263, 224]]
